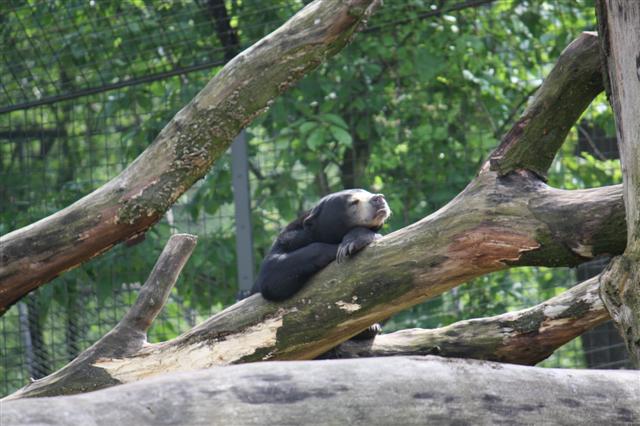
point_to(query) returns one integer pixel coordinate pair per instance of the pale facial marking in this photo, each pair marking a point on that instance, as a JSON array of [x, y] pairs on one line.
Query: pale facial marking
[[365, 213]]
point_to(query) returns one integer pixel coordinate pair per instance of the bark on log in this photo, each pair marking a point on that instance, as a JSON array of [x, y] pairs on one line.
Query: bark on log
[[523, 337], [619, 23], [375, 391], [181, 154]]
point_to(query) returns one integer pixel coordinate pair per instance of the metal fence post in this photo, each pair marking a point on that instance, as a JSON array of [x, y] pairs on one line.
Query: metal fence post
[[242, 203]]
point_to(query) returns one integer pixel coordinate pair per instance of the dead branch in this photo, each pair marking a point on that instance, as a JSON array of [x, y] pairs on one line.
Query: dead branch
[[532, 143], [523, 337], [462, 241], [495, 223]]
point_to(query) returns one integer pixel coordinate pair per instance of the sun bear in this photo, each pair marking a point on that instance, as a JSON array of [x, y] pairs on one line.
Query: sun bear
[[340, 225]]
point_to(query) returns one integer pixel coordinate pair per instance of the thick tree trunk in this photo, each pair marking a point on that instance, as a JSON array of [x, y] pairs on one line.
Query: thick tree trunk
[[523, 337], [619, 22], [375, 391], [181, 154]]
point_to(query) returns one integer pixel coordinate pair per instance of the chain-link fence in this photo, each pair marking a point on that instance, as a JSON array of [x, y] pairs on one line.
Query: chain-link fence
[[86, 86]]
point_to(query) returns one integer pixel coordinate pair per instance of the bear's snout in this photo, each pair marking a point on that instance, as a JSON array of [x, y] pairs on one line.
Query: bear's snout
[[378, 201]]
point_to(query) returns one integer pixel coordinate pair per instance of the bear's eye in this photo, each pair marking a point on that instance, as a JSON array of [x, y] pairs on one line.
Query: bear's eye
[[354, 202]]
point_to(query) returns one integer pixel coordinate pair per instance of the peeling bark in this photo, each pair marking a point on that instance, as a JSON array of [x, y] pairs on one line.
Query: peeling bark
[[181, 154], [382, 391], [619, 23], [523, 337]]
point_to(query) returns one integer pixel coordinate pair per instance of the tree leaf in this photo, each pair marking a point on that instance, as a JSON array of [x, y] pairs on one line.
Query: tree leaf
[[316, 138], [342, 136], [307, 126], [335, 119]]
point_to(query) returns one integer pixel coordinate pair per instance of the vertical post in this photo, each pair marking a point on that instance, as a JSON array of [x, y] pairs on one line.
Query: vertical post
[[242, 202], [23, 320]]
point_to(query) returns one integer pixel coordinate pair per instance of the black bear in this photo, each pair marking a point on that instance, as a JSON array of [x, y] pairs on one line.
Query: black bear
[[340, 225]]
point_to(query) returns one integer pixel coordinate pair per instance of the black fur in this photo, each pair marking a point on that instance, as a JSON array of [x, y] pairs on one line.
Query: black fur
[[328, 231]]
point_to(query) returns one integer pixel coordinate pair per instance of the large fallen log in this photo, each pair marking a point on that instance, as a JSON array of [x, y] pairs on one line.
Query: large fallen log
[[373, 391], [181, 154], [524, 337]]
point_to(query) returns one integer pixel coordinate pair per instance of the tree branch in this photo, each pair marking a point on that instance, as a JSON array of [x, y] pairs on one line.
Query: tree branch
[[523, 337], [181, 154], [128, 337], [535, 139], [414, 390], [156, 290], [492, 225]]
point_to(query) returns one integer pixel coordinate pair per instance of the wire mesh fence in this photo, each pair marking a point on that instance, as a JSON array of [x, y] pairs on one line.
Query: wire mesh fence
[[86, 86]]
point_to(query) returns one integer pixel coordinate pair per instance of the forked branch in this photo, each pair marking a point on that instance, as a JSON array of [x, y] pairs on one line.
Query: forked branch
[[495, 223]]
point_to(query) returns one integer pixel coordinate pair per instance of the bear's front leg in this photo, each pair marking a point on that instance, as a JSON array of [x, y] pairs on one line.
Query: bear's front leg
[[355, 240]]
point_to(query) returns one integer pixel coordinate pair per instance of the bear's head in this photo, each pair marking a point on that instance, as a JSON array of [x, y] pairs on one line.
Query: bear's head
[[338, 213]]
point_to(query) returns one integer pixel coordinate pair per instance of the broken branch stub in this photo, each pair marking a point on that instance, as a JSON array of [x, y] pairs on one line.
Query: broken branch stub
[[154, 293]]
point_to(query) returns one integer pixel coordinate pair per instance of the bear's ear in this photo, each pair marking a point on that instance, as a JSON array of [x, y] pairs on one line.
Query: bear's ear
[[309, 221]]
